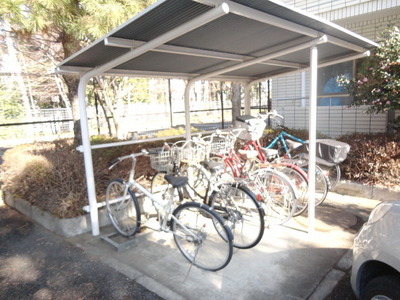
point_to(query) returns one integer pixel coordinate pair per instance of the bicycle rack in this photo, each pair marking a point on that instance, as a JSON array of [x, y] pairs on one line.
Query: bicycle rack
[[118, 241]]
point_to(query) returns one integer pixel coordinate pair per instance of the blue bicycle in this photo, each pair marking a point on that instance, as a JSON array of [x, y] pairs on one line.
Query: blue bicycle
[[329, 153]]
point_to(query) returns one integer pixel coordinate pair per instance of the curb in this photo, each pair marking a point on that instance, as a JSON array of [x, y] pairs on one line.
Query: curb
[[332, 278], [67, 227], [365, 191], [74, 226]]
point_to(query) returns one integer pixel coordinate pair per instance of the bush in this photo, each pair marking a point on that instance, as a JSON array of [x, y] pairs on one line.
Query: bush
[[373, 159], [52, 176]]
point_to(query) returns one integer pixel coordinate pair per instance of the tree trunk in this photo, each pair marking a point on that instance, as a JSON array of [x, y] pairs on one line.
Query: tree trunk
[[72, 82], [70, 46], [390, 124], [236, 102]]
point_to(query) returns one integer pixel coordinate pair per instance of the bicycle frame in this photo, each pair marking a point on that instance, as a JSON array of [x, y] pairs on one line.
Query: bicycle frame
[[165, 209], [281, 139]]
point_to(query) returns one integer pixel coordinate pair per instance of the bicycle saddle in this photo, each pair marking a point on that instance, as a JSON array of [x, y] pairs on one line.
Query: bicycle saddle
[[176, 181], [248, 154], [213, 166]]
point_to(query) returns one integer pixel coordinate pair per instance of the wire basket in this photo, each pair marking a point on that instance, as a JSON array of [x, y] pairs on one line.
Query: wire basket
[[193, 152], [254, 129], [164, 159], [221, 144]]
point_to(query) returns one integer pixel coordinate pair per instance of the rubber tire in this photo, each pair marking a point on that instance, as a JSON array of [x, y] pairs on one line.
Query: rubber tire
[[322, 186], [124, 215], [280, 203], [301, 184], [158, 181], [334, 174], [215, 251], [198, 180], [385, 286], [242, 212]]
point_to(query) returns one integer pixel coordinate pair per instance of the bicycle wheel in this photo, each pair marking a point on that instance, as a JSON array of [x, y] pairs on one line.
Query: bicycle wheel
[[242, 212], [333, 173], [321, 183], [201, 236], [158, 183], [321, 186], [198, 180], [300, 181], [122, 208], [277, 194]]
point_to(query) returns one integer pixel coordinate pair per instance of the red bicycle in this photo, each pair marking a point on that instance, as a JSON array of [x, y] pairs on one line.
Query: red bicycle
[[273, 188], [254, 128]]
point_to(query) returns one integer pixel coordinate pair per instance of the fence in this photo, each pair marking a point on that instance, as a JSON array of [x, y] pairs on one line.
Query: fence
[[50, 124]]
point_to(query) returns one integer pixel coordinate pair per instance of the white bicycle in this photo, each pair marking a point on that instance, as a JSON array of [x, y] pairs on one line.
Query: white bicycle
[[199, 232]]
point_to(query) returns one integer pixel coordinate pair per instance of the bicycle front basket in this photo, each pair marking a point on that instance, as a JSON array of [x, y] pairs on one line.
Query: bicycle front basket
[[331, 150], [194, 152], [221, 144], [254, 127], [163, 160]]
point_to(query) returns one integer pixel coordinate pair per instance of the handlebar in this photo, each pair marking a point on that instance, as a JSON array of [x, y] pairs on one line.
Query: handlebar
[[272, 113], [132, 156]]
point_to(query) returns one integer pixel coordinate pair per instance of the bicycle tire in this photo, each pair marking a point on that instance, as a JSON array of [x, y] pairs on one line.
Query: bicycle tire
[[122, 208], [158, 183], [277, 194], [300, 181], [205, 241], [242, 212], [333, 173], [198, 180], [322, 185]]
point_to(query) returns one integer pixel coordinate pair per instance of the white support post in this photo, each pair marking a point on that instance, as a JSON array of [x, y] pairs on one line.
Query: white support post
[[312, 138], [87, 154], [187, 109], [247, 100], [303, 89]]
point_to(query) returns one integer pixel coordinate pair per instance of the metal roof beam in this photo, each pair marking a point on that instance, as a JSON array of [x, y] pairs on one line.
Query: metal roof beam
[[125, 43], [320, 65], [264, 58], [266, 18]]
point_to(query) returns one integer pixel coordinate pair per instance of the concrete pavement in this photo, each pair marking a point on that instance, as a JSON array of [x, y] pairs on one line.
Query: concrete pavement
[[289, 262]]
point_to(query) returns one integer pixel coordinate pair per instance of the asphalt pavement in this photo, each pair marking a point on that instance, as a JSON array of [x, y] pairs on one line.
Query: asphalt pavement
[[37, 264], [289, 263]]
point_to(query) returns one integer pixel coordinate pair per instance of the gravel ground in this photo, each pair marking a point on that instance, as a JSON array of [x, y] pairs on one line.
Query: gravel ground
[[37, 264]]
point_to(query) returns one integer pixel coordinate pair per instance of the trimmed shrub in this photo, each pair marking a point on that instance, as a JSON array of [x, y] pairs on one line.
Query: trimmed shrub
[[373, 159]]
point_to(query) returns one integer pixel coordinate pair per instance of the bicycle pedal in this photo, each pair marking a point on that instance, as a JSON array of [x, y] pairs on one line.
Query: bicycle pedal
[[142, 228]]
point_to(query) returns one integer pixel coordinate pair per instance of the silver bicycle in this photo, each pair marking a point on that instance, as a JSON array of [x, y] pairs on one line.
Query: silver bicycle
[[199, 232]]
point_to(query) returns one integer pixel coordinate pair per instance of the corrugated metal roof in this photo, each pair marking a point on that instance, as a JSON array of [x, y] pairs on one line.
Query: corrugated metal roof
[[252, 29]]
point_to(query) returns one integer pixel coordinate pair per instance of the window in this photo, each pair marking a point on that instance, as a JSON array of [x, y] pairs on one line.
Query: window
[[329, 91]]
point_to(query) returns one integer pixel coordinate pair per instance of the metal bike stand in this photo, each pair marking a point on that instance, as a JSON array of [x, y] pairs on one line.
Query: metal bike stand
[[118, 241]]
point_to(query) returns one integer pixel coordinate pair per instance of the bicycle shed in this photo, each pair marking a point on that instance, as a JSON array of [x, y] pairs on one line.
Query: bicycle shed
[[245, 41]]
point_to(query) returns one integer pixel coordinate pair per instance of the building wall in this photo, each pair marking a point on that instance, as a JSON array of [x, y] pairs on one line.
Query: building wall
[[365, 17]]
